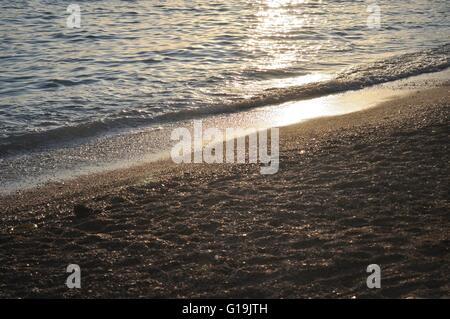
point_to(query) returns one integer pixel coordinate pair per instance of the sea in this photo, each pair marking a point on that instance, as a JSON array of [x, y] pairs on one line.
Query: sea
[[75, 72]]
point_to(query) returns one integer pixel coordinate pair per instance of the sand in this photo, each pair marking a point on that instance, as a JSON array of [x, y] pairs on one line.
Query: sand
[[370, 187]]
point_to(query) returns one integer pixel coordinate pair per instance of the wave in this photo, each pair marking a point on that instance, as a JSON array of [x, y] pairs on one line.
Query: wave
[[360, 76], [357, 77]]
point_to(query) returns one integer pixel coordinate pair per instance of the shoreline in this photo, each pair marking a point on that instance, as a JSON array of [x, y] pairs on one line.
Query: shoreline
[[134, 148], [352, 190]]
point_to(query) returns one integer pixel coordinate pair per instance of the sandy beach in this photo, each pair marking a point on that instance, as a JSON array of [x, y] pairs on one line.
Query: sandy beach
[[370, 187]]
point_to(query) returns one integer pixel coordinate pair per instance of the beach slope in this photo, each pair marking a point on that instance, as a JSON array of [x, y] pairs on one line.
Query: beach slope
[[370, 187]]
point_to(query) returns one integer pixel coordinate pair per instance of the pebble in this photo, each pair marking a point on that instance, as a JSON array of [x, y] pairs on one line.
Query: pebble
[[82, 211]]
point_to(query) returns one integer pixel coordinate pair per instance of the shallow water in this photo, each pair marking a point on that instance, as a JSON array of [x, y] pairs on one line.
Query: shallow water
[[135, 63], [149, 144]]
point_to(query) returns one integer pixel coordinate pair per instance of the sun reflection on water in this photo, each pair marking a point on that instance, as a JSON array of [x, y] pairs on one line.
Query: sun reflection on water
[[353, 101], [284, 61]]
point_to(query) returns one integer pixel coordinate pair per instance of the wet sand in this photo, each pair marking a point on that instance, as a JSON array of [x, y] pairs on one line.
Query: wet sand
[[370, 187]]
